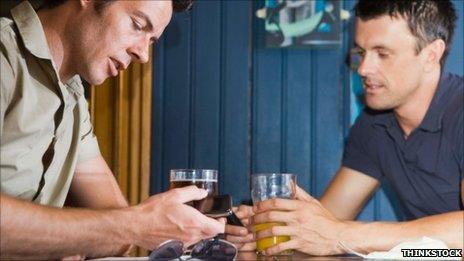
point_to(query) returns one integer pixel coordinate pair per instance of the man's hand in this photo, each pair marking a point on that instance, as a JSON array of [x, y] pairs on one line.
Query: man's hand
[[312, 228], [242, 237], [165, 216]]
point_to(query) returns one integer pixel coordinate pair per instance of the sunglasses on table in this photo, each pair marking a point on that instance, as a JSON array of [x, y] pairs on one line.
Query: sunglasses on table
[[208, 250]]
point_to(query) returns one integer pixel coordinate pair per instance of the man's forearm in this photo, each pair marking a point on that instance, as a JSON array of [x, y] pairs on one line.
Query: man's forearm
[[94, 186], [26, 231], [378, 236]]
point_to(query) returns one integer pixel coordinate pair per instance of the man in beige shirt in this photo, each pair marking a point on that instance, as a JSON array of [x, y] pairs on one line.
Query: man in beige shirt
[[48, 149]]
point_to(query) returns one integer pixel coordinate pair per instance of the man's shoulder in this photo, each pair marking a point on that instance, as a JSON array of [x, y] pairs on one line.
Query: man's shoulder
[[10, 41], [454, 110], [5, 22], [7, 30], [11, 58], [453, 116]]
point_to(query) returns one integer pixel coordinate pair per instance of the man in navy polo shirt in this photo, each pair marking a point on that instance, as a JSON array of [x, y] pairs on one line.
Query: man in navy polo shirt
[[411, 135]]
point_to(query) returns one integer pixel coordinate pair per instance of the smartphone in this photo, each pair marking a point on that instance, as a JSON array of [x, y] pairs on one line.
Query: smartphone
[[218, 206], [232, 219], [215, 206]]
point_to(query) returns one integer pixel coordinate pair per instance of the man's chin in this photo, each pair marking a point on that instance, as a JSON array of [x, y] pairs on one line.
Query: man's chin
[[96, 80], [378, 106]]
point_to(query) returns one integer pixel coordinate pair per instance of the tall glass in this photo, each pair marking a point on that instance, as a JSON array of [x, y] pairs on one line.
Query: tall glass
[[202, 178], [266, 186]]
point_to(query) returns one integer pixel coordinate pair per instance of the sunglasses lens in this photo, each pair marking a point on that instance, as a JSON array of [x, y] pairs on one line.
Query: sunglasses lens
[[201, 247], [167, 251], [214, 250]]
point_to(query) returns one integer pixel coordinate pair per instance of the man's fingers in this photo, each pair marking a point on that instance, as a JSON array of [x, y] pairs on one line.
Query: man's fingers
[[292, 244], [187, 194], [273, 216], [236, 230], [223, 221], [213, 227], [244, 211], [248, 246], [243, 239], [275, 231], [302, 195], [198, 226], [209, 227], [245, 221], [277, 204]]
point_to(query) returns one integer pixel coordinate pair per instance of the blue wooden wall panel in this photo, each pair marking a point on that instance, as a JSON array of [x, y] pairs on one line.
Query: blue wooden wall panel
[[177, 90], [368, 213], [266, 107], [235, 152], [267, 97], [455, 60], [205, 97], [384, 209], [328, 136], [298, 120], [267, 100], [388, 207], [156, 177]]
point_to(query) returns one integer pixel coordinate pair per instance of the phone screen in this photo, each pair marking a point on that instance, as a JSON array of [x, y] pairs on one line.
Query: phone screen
[[216, 206]]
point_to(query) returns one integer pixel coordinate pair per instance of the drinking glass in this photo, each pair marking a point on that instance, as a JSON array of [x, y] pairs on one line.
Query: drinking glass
[[206, 179], [266, 186]]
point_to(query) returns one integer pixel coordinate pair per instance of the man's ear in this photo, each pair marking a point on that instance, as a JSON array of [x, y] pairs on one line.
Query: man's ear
[[434, 53]]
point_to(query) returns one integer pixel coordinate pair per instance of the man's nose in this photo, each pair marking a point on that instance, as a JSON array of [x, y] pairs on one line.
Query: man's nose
[[140, 51], [366, 66]]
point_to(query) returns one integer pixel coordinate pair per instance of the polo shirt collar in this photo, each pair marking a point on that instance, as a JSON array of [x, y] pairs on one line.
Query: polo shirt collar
[[31, 30], [383, 118]]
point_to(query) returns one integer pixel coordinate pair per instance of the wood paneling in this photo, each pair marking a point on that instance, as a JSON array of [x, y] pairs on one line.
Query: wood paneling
[[121, 115]]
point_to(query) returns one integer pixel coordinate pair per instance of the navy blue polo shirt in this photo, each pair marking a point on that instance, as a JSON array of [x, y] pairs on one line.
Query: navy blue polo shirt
[[426, 169]]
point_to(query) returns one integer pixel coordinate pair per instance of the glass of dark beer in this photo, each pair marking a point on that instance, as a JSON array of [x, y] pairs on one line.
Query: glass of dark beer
[[202, 178]]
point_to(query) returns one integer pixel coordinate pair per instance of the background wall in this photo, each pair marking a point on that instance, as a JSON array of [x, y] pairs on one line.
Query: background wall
[[224, 101]]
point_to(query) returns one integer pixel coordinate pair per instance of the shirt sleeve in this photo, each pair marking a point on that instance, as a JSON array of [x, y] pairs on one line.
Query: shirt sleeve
[[88, 147], [359, 153]]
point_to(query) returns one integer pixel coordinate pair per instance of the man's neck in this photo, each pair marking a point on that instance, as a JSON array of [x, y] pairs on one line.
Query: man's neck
[[412, 113], [54, 24]]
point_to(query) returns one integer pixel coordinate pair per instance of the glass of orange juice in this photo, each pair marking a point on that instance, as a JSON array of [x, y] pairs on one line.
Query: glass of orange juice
[[266, 186]]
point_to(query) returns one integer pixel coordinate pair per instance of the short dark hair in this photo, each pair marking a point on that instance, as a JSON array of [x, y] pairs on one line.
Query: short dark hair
[[428, 20], [181, 5], [177, 5]]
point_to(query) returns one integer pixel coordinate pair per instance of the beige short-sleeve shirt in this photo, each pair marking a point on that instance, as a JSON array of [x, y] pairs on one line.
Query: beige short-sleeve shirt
[[45, 126]]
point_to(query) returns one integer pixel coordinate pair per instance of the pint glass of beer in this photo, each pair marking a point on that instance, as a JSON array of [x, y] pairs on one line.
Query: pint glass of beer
[[266, 186], [202, 178]]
